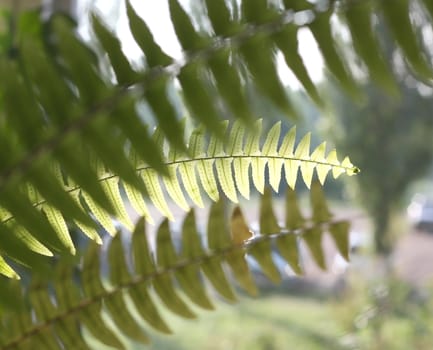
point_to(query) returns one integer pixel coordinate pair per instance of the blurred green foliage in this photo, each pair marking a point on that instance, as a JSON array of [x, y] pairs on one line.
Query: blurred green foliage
[[385, 313], [16, 26]]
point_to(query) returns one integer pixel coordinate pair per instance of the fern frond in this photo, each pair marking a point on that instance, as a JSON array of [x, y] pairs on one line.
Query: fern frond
[[266, 28], [224, 163], [174, 278], [70, 112]]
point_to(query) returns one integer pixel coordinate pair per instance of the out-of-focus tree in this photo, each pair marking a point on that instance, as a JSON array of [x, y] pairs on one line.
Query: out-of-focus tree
[[391, 141]]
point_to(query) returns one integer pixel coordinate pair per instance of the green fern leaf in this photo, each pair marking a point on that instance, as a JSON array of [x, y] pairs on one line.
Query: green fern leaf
[[56, 220], [333, 160], [100, 214], [62, 315], [264, 73], [358, 17], [261, 66], [235, 139], [290, 165], [263, 254], [204, 167], [78, 62], [91, 283], [321, 29], [137, 201], [207, 178], [218, 239], [73, 158], [270, 150], [89, 231], [303, 152], [145, 306], [287, 41], [268, 226], [116, 304], [123, 320], [111, 188], [240, 232], [111, 44], [154, 190], [321, 212], [157, 97], [143, 265], [71, 113], [92, 88], [224, 164], [348, 166], [172, 184], [322, 168], [188, 37], [191, 283], [340, 234], [225, 176], [19, 233], [67, 296], [268, 221], [229, 85], [189, 180], [6, 270], [257, 166], [215, 274], [144, 38], [398, 18], [241, 165], [31, 219], [192, 249], [141, 258], [92, 320], [313, 238], [136, 131], [163, 283], [191, 243], [294, 218], [288, 247], [119, 273], [220, 18], [23, 248], [188, 276], [197, 96]]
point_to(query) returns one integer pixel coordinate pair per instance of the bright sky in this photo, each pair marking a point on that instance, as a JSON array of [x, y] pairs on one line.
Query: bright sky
[[156, 15]]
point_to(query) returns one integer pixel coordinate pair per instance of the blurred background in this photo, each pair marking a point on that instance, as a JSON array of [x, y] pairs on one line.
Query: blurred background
[[382, 298]]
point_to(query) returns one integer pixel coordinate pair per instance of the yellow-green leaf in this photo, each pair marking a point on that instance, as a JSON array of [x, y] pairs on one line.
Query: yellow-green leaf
[[57, 221], [100, 214], [153, 186], [189, 180], [172, 184], [318, 156], [270, 150], [225, 177], [6, 270]]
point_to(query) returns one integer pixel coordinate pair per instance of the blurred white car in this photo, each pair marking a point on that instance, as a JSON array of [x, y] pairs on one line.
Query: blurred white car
[[420, 212]]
